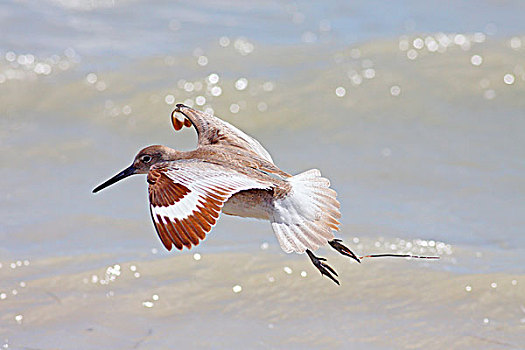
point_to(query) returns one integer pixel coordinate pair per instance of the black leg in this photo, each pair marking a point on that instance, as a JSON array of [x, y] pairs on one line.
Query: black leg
[[336, 244], [321, 266]]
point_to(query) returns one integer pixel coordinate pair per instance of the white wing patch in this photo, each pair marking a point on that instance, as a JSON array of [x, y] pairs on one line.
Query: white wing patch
[[181, 209]]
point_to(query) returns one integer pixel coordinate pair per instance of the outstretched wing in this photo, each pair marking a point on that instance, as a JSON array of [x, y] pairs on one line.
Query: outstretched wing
[[186, 198], [214, 131]]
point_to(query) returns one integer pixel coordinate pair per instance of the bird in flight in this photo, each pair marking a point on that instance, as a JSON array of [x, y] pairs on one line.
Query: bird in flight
[[232, 173]]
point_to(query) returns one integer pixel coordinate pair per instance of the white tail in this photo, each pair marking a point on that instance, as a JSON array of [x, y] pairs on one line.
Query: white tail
[[305, 218]]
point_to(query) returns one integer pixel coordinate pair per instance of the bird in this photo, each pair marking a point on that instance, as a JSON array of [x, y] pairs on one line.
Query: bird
[[232, 173]]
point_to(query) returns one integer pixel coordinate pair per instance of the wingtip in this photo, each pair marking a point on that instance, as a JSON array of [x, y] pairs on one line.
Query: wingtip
[[178, 106]]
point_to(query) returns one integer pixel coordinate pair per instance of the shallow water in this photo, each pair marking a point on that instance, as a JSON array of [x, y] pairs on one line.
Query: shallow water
[[416, 117]]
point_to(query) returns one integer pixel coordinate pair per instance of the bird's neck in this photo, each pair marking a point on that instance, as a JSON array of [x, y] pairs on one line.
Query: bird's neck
[[172, 154]]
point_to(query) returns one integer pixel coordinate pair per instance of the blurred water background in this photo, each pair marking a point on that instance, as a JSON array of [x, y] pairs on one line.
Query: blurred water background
[[414, 110]]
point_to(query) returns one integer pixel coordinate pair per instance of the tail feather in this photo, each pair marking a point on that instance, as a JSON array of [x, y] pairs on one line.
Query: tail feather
[[306, 217], [311, 231]]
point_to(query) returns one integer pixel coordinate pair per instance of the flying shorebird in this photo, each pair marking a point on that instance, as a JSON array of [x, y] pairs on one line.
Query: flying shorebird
[[233, 173]]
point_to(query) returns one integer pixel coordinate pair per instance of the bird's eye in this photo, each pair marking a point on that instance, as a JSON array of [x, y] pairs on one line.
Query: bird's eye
[[146, 159]]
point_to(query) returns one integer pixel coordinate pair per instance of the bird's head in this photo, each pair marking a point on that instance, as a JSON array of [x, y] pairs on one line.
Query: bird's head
[[142, 163]]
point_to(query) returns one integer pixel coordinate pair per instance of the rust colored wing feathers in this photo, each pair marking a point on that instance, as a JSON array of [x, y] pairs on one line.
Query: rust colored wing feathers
[[186, 199]]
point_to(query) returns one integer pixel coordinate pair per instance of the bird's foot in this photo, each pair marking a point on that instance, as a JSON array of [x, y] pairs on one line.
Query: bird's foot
[[342, 249], [322, 267]]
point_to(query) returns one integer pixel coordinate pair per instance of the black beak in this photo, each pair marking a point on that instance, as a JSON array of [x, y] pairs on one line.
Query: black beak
[[122, 175]]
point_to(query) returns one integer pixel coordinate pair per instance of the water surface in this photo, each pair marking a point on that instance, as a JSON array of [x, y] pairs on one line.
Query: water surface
[[415, 116]]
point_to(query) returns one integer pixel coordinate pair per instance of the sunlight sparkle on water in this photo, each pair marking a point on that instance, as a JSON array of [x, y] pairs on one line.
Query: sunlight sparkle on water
[[412, 54], [418, 43], [188, 86], [19, 319], [515, 43], [262, 106], [460, 39], [101, 86], [10, 56], [403, 43], [508, 79], [355, 78], [479, 37], [148, 304], [91, 78], [395, 90], [369, 73], [241, 84], [489, 94], [224, 41], [200, 100], [268, 86], [213, 78], [202, 60], [476, 60], [235, 108], [126, 110], [169, 99], [216, 91], [243, 46], [431, 44]]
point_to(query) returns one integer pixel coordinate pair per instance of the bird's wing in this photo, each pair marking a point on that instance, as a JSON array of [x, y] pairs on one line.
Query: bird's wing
[[186, 198], [214, 131]]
